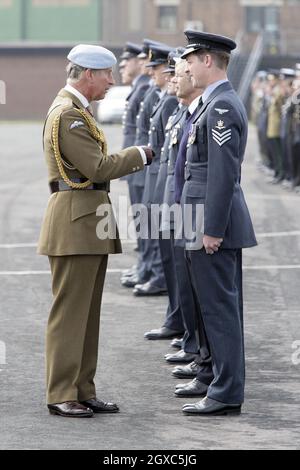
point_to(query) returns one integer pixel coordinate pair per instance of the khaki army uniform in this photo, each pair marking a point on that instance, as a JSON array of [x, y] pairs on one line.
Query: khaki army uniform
[[75, 152], [274, 115]]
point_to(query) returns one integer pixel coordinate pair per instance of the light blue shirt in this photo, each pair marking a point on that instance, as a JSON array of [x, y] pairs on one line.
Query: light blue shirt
[[211, 88]]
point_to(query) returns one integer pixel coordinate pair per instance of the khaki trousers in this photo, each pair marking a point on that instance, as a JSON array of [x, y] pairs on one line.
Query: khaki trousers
[[73, 326]]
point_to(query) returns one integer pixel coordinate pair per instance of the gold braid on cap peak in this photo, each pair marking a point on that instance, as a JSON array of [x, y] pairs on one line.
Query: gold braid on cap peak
[[98, 135]]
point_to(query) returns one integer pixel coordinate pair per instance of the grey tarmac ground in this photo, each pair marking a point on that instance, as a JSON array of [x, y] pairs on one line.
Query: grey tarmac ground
[[132, 371]]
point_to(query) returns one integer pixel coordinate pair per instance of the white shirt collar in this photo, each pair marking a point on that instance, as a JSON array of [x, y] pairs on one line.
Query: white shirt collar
[[194, 105], [134, 82], [78, 95], [211, 88]]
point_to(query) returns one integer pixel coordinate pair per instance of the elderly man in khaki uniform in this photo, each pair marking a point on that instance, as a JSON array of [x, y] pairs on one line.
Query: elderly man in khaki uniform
[[79, 171]]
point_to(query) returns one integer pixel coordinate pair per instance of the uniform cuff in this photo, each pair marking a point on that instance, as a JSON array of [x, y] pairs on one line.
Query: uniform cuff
[[143, 155]]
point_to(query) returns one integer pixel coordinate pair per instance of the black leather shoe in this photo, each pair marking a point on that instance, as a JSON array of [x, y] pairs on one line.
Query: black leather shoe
[[70, 409], [209, 407], [180, 356], [129, 272], [176, 343], [161, 333], [186, 372], [148, 289], [195, 388], [130, 281], [99, 406]]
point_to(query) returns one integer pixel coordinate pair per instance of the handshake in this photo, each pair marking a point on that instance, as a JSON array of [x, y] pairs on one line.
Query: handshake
[[150, 154]]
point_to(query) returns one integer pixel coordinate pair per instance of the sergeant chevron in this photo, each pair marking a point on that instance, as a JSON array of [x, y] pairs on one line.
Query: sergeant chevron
[[221, 137]]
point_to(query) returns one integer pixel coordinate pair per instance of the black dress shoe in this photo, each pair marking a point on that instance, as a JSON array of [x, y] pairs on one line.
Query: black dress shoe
[[176, 343], [99, 406], [209, 407], [70, 409], [161, 333], [185, 372], [195, 388], [148, 289], [130, 281], [129, 272], [180, 357]]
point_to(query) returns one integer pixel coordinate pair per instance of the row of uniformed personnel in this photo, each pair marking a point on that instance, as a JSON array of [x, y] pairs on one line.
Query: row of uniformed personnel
[[158, 120], [276, 113], [161, 109]]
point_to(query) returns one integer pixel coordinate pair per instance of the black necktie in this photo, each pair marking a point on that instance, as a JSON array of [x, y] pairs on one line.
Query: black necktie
[[181, 156]]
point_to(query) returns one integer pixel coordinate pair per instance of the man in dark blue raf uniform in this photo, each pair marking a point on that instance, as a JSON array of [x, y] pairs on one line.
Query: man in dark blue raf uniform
[[173, 324], [182, 313], [142, 272], [222, 227], [140, 83], [159, 118]]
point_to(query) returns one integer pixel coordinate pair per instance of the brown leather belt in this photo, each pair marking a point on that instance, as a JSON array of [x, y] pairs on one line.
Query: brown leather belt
[[57, 186]]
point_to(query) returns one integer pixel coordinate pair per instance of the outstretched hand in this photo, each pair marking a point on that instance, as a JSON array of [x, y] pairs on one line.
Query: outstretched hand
[[149, 154]]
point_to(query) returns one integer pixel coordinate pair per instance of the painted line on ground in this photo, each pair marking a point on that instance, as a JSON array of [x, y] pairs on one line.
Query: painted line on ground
[[37, 273], [34, 245], [119, 271], [18, 245], [291, 233], [273, 197]]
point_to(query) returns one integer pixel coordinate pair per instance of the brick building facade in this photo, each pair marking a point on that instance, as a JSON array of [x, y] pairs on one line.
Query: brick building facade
[[33, 72]]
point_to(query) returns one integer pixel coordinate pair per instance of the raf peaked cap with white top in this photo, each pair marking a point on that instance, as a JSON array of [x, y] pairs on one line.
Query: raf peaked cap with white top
[[131, 51], [200, 40], [92, 57], [173, 58], [159, 54], [147, 43]]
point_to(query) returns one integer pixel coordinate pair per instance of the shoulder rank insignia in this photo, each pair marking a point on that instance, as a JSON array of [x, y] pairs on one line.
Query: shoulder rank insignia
[[220, 125], [76, 124], [221, 136], [222, 111]]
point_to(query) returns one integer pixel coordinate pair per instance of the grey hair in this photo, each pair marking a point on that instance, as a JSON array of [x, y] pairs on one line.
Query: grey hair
[[74, 72]]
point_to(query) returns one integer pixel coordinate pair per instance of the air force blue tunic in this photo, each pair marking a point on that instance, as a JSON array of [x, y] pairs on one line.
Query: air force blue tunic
[[215, 152], [129, 122], [133, 102], [158, 122]]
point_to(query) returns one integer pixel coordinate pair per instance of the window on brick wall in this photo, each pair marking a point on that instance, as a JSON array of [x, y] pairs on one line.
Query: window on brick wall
[[167, 17], [262, 19], [135, 15]]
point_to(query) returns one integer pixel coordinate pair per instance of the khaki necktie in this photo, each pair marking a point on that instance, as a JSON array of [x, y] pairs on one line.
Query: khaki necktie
[[90, 110]]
